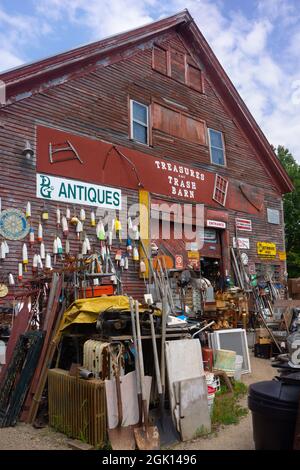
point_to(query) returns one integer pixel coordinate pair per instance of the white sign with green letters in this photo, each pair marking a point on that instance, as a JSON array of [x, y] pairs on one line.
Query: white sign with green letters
[[54, 188]]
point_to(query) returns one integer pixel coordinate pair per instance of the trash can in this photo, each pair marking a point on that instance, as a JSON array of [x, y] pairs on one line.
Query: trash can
[[274, 407]]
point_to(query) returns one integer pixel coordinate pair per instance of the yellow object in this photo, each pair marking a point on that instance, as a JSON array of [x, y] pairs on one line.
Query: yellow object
[[88, 310], [282, 255], [266, 249], [118, 225], [193, 254], [144, 208]]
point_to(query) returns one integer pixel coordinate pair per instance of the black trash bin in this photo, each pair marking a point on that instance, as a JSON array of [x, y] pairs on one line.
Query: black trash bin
[[274, 407]]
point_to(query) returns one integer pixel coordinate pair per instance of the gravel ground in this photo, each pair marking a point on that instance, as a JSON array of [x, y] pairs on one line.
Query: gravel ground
[[233, 437]]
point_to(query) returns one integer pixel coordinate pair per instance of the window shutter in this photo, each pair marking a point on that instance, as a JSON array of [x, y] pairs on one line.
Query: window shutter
[[159, 59], [193, 130], [194, 78], [177, 65]]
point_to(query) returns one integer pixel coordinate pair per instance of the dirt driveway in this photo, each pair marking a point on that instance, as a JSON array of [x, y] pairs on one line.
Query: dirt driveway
[[234, 437]]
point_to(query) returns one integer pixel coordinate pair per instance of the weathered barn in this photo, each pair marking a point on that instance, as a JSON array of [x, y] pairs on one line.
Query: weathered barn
[[151, 109]]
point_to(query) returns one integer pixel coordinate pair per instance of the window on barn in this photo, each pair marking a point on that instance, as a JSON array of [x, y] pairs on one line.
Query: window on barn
[[139, 122], [220, 190], [160, 59], [217, 148]]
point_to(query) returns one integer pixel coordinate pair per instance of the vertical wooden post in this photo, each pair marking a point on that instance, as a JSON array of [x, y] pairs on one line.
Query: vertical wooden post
[[144, 202]]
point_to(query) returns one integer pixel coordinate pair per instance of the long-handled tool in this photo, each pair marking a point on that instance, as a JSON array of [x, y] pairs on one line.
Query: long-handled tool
[[136, 359], [121, 438], [167, 432], [147, 437]]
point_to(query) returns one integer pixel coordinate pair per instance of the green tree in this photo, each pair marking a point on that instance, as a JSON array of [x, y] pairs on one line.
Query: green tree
[[291, 204]]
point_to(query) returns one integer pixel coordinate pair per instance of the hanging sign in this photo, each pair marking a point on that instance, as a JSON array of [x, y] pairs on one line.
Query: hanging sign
[[266, 250], [243, 224], [243, 243], [215, 224], [282, 255], [54, 188], [178, 261], [193, 254]]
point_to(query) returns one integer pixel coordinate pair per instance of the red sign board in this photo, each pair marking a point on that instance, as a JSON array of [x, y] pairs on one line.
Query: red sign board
[[178, 261], [95, 161], [243, 224]]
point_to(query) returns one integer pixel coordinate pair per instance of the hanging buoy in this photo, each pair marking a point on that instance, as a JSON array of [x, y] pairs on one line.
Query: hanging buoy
[[74, 220], [93, 219], [48, 261], [100, 231], [129, 223], [42, 251], [82, 215], [84, 248], [20, 271], [143, 268], [118, 228], [67, 247], [2, 251], [59, 246], [28, 210], [35, 263], [103, 251], [11, 281], [122, 262], [110, 238], [25, 254], [136, 233], [135, 254], [114, 279], [31, 236], [55, 248], [79, 228], [129, 245], [40, 233], [126, 263], [45, 214], [40, 262], [6, 247], [58, 216], [68, 214], [64, 225], [88, 245]]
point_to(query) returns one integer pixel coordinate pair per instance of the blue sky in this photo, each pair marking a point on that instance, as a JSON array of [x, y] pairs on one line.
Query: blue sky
[[257, 42]]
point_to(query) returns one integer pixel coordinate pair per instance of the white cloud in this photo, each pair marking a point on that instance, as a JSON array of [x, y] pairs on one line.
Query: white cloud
[[8, 60]]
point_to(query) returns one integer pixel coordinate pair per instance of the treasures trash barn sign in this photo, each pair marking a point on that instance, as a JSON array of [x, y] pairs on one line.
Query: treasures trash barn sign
[[76, 192]]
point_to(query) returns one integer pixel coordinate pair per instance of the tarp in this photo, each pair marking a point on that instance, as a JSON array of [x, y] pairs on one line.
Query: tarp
[[88, 310]]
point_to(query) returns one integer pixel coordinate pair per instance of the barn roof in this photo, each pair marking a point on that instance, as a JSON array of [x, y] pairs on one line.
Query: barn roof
[[27, 79]]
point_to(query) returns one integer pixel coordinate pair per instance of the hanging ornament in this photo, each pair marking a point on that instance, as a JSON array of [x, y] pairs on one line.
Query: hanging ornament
[[143, 268], [2, 251], [55, 247], [82, 215], [103, 252], [20, 271], [84, 248], [35, 263], [79, 228], [31, 236], [25, 254], [93, 219], [100, 231], [40, 232], [42, 251], [59, 246], [68, 214], [136, 233], [28, 210], [65, 227], [135, 254], [126, 263], [67, 247], [129, 245], [11, 281], [48, 261]]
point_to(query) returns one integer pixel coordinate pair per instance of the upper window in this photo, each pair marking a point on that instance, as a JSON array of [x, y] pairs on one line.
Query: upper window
[[216, 145], [139, 129]]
